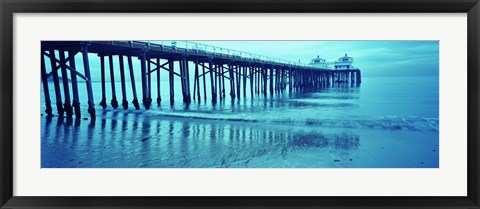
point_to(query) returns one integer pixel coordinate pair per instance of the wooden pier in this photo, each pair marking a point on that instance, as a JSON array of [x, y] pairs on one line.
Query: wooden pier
[[222, 67]]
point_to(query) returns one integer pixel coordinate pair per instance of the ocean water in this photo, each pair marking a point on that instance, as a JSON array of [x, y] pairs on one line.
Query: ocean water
[[386, 122]]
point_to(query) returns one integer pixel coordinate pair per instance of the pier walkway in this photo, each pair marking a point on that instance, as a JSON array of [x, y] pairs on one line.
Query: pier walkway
[[263, 75]]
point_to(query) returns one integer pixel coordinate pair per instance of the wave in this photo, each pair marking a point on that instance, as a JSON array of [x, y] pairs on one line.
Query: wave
[[411, 123]]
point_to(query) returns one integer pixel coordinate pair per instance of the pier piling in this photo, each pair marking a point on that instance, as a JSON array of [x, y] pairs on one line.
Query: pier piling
[[195, 76], [103, 103], [66, 92], [212, 81], [359, 77], [187, 72], [271, 80], [252, 78], [149, 81], [159, 96], [56, 84], [221, 68], [232, 87], [73, 75], [143, 65], [171, 81], [86, 65], [132, 81], [46, 92], [122, 80], [197, 81], [204, 83], [244, 73], [114, 101]]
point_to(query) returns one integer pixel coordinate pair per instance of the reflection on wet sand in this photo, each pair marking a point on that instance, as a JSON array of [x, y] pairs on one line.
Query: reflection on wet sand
[[131, 141]]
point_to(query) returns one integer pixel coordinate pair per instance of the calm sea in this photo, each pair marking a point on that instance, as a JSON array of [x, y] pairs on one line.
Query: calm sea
[[386, 122]]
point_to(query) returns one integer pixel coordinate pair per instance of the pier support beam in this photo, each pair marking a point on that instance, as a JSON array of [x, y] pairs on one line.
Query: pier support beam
[[132, 81], [359, 77], [244, 73], [258, 77], [252, 79], [56, 84], [271, 80], [149, 81], [46, 92], [122, 79], [204, 83], [66, 92], [221, 69], [212, 81], [182, 80], [114, 101], [187, 81], [232, 82], [277, 80], [159, 96], [196, 85], [290, 77], [298, 79], [239, 81], [86, 65], [143, 65], [103, 103], [195, 75], [76, 100], [219, 82], [264, 83], [171, 81]]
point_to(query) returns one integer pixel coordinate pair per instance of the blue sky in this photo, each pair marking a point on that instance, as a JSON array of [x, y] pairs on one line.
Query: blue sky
[[374, 58]]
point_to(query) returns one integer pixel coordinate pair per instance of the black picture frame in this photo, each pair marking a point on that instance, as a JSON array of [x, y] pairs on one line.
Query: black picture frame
[[9, 7]]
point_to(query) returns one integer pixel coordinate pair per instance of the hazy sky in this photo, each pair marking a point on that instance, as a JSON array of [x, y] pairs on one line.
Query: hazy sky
[[374, 58]]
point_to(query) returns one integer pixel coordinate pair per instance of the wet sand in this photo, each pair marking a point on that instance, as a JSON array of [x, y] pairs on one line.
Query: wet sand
[[123, 139]]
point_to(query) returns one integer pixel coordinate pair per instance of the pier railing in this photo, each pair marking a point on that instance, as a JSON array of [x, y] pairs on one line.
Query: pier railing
[[205, 49]]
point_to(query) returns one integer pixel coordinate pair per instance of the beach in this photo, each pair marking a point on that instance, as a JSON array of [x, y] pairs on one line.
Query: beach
[[386, 122]]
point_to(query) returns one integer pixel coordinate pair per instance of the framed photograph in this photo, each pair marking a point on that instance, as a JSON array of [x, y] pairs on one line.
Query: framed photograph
[[266, 104]]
